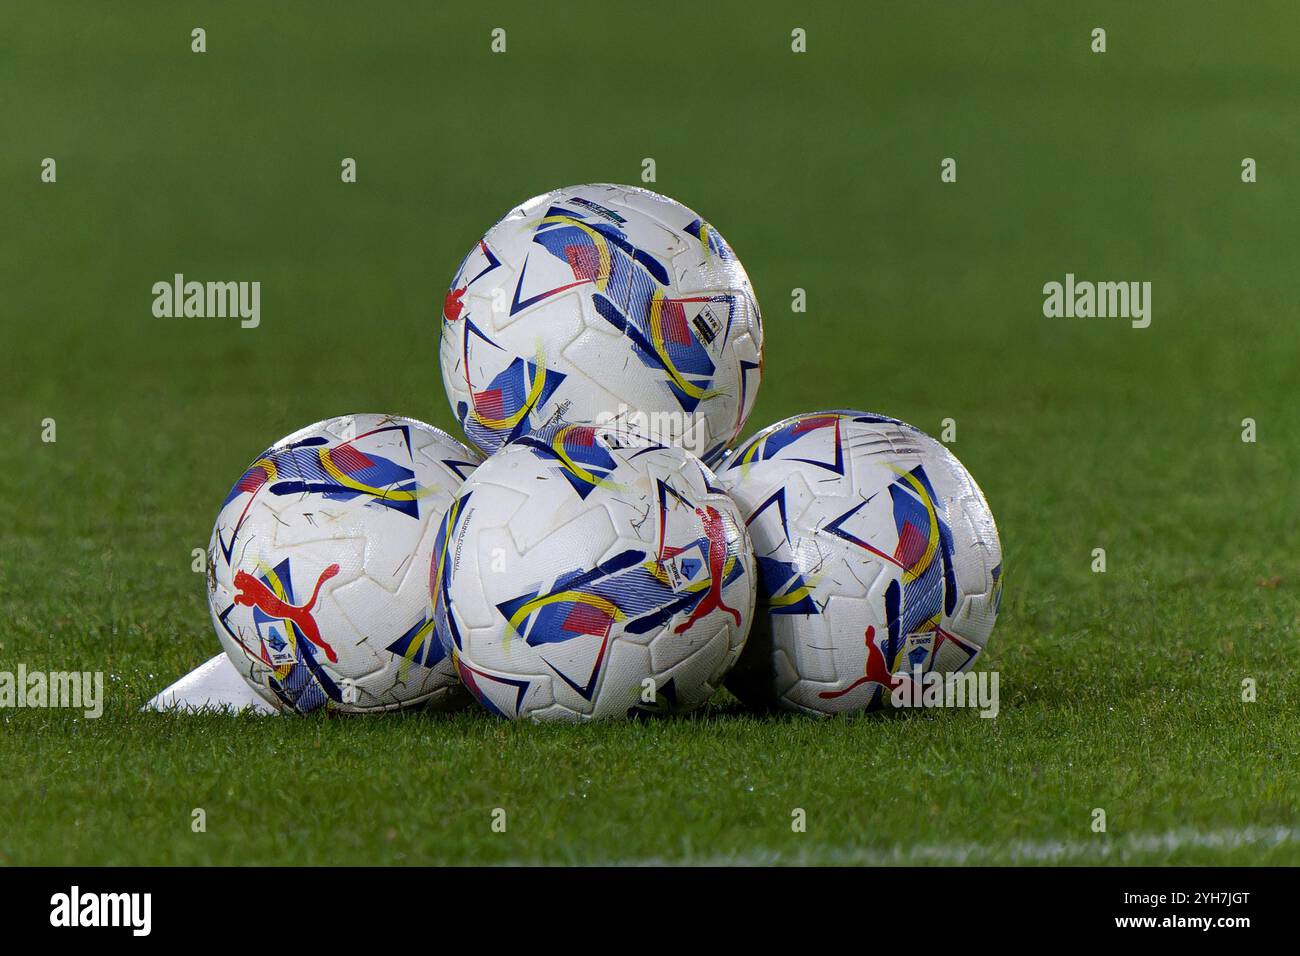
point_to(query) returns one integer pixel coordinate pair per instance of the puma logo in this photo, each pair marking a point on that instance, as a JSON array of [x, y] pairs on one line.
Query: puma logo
[[715, 530], [253, 593], [876, 672], [452, 305]]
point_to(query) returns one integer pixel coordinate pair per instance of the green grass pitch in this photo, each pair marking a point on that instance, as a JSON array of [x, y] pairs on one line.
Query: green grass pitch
[[1120, 690]]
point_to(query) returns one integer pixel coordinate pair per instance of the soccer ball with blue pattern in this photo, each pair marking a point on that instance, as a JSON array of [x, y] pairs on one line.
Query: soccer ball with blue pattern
[[318, 566], [584, 572], [602, 304], [878, 558]]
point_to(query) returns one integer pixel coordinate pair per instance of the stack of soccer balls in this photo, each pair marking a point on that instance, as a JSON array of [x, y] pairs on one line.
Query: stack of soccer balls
[[602, 346]]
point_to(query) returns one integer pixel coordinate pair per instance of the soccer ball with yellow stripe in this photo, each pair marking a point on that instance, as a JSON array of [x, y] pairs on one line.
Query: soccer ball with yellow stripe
[[318, 566], [585, 572], [879, 562], [602, 304]]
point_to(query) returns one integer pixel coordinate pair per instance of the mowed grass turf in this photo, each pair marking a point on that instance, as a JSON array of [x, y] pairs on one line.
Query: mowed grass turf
[[1119, 691]]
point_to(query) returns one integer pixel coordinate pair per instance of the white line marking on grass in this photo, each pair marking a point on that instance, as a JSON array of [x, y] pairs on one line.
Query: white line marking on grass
[[1115, 849]]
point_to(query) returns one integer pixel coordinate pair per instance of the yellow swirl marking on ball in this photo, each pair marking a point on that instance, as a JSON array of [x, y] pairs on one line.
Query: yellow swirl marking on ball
[[557, 446], [706, 232], [605, 261], [534, 393], [933, 543], [790, 597], [416, 645], [661, 349], [577, 597], [453, 515], [333, 470]]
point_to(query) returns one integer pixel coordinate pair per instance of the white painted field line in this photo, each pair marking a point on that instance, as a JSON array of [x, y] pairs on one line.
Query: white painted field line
[[1102, 848]]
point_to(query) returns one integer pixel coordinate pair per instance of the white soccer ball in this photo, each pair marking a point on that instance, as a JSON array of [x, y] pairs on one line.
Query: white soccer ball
[[583, 572], [604, 304], [318, 566], [878, 561]]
